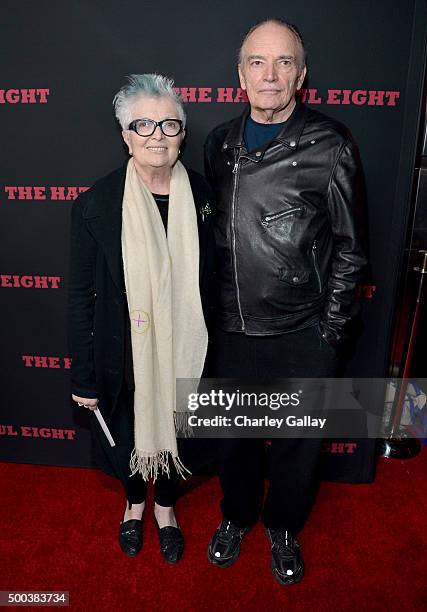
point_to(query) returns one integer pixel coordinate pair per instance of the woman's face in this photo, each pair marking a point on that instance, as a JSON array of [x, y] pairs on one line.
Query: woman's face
[[157, 150]]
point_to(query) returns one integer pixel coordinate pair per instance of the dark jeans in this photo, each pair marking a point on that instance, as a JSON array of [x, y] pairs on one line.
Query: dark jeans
[[292, 463], [122, 430]]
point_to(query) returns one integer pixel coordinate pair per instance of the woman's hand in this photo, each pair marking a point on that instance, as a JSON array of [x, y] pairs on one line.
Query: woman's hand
[[86, 402]]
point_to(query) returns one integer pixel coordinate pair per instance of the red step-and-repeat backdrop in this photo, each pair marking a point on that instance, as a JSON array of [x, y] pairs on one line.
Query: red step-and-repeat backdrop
[[62, 63]]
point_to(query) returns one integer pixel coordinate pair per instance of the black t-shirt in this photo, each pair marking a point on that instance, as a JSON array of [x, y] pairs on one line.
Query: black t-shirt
[[162, 202], [259, 134]]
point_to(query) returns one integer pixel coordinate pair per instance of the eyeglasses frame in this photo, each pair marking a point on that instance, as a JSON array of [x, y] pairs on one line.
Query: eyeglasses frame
[[132, 126]]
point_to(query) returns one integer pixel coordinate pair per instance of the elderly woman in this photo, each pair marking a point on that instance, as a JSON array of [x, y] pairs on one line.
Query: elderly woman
[[139, 278]]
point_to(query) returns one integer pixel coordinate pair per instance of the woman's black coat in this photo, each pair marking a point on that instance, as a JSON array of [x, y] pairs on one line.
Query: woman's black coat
[[97, 305]]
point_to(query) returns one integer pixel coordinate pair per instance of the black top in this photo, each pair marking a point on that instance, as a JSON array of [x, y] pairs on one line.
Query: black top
[[162, 202]]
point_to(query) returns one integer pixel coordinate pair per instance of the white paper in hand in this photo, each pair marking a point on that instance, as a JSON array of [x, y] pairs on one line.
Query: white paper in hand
[[104, 427]]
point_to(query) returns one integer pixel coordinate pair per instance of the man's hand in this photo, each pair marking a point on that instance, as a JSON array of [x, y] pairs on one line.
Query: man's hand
[[86, 402]]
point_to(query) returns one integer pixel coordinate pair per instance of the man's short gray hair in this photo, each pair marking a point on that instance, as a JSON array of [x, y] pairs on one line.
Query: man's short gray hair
[[148, 86], [280, 22]]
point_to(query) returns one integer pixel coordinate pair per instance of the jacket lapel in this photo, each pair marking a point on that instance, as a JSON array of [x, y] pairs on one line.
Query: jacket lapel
[[201, 227], [203, 201]]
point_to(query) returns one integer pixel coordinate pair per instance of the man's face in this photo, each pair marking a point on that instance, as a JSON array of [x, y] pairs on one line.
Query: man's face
[[270, 72]]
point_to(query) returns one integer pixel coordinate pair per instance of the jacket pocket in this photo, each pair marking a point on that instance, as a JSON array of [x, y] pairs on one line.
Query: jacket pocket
[[294, 277], [270, 218]]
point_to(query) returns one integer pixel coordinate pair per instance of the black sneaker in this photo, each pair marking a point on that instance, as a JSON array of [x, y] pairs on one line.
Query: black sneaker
[[286, 561], [225, 544]]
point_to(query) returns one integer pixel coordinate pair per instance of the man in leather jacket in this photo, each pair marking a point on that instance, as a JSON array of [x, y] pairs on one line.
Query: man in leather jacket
[[289, 193]]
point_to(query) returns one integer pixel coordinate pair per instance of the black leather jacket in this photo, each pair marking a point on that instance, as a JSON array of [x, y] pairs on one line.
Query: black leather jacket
[[287, 227]]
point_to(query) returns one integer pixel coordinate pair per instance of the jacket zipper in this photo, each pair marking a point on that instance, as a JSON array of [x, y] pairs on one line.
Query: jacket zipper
[[283, 213], [313, 252], [233, 235]]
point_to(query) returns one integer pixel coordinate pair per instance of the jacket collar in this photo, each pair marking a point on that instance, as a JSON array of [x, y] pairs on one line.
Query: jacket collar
[[107, 196], [234, 137], [289, 136]]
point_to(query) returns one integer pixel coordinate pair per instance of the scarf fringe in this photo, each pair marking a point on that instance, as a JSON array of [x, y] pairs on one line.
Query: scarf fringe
[[182, 427], [153, 466]]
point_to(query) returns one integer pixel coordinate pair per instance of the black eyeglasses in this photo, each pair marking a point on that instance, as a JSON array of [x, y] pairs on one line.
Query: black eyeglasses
[[147, 127]]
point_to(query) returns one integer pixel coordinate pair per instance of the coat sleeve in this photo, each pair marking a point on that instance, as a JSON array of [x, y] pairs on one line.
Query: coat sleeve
[[81, 302], [346, 205]]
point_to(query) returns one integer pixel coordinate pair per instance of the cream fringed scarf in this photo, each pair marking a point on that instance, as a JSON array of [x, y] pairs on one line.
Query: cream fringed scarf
[[168, 332]]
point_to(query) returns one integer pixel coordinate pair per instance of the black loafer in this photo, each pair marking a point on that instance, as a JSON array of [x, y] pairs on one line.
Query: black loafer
[[286, 560], [130, 537], [225, 544], [171, 543]]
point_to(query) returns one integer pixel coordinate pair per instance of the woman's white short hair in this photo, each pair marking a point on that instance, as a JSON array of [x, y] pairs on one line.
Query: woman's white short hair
[[144, 85]]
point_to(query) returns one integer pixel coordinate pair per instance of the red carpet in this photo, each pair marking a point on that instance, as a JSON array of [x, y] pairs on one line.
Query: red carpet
[[364, 546]]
